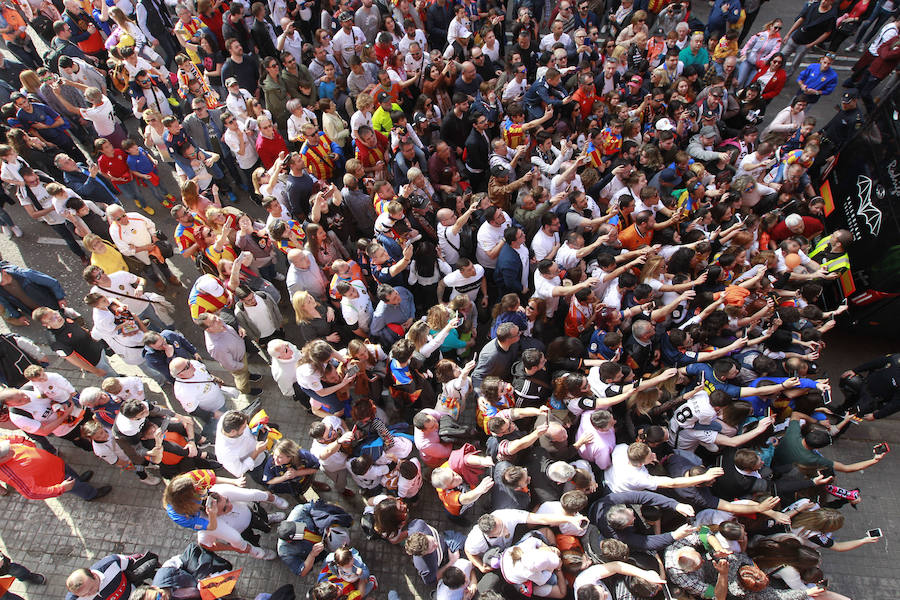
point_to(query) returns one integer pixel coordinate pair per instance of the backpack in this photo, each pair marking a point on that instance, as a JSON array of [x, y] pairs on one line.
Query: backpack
[[120, 78], [51, 56]]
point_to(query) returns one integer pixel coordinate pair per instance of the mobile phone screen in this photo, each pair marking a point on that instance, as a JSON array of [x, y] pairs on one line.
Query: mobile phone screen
[[874, 533]]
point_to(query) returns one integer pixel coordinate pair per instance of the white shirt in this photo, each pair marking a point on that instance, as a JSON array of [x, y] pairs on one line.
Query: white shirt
[[233, 141], [337, 461], [514, 89], [109, 451], [448, 242], [284, 372], [418, 37], [357, 311], [344, 43], [488, 236], [543, 288], [234, 453], [445, 593], [566, 256], [622, 476], [259, 316], [555, 508], [548, 41], [123, 282], [294, 45], [407, 488], [477, 543], [44, 200], [542, 244], [459, 284], [137, 232], [199, 391], [457, 28], [237, 104], [102, 117], [591, 576], [55, 387]]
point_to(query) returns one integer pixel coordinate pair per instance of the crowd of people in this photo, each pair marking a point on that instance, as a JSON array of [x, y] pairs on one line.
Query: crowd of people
[[540, 263]]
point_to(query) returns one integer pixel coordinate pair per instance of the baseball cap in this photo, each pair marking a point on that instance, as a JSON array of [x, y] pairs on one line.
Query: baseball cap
[[230, 81], [383, 97], [345, 16], [664, 124], [850, 95], [420, 118], [636, 79], [499, 171], [659, 32], [708, 131], [669, 176], [287, 530], [709, 114]]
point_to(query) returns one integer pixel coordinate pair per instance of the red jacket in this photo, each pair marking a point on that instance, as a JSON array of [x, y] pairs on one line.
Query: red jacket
[[34, 473], [888, 57], [775, 85]]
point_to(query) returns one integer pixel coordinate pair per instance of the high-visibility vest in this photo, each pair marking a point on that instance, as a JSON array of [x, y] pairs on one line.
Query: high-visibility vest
[[831, 265]]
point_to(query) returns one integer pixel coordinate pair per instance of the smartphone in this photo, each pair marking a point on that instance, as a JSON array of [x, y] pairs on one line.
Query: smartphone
[[770, 412], [874, 533], [352, 370], [826, 472], [881, 448], [826, 397]]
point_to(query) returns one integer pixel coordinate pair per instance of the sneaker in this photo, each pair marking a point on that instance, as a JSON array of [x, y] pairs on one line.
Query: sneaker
[[254, 377], [169, 201], [276, 517], [16, 231], [280, 502], [36, 579], [254, 392], [101, 492], [263, 553], [86, 476], [146, 209], [850, 48], [151, 480]]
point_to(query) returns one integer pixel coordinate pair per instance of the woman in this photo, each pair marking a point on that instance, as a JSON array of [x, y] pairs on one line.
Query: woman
[[255, 111], [683, 91], [788, 120], [220, 510], [211, 61], [496, 395], [104, 254], [389, 519], [759, 49], [55, 93], [638, 25], [439, 317], [251, 237], [319, 377], [815, 526], [267, 183], [752, 107], [437, 85], [211, 13], [153, 136], [274, 91], [508, 310], [389, 26], [325, 247], [35, 151], [539, 327], [291, 470], [363, 114], [196, 202], [771, 77], [316, 321], [332, 124], [127, 33]]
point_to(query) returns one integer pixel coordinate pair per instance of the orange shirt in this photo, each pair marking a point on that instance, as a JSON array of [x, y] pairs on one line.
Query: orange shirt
[[632, 239], [34, 473]]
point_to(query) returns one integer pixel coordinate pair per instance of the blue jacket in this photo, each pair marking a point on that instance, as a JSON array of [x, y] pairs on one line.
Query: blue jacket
[[718, 16], [508, 272], [813, 78], [539, 94], [158, 360], [40, 287], [90, 188]]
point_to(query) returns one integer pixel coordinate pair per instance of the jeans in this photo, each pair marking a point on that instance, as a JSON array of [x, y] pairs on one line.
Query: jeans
[[62, 231], [798, 50], [103, 364], [746, 71], [83, 490], [129, 190], [155, 323], [5, 219], [872, 25]]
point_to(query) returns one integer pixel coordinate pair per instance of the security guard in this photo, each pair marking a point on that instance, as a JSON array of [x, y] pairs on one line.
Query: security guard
[[831, 251], [843, 125]]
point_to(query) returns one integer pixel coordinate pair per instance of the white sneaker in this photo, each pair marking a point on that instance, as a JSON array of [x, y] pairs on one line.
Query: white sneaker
[[151, 480], [263, 553], [6, 230], [280, 502], [850, 48], [276, 517], [16, 231]]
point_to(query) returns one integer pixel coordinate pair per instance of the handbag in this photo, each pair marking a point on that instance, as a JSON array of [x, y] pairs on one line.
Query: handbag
[[165, 248]]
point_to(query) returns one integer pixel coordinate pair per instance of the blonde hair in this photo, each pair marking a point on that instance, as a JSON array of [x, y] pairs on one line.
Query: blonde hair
[[364, 101], [30, 81], [438, 317], [298, 301]]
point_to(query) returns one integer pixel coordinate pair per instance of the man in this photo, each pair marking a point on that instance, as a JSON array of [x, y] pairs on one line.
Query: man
[[234, 25], [818, 79], [321, 155], [628, 471], [549, 286], [455, 125], [135, 236], [831, 251], [160, 349], [73, 342], [640, 232], [304, 274], [547, 92], [814, 25], [111, 578], [394, 314], [37, 416], [262, 32], [372, 150], [498, 356], [38, 475], [800, 446], [437, 22], [841, 127], [258, 314], [201, 394], [244, 68], [468, 279], [22, 290], [226, 346], [695, 53], [500, 189], [511, 272], [128, 289], [300, 535], [349, 40], [368, 19], [44, 122]]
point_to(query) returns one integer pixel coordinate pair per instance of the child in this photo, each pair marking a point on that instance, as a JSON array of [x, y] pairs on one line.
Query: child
[[496, 395], [799, 138], [611, 138], [402, 130], [356, 306], [51, 386], [345, 568], [368, 475], [327, 83], [409, 480], [300, 116], [124, 388], [200, 163], [144, 169], [114, 164], [392, 223], [188, 72], [85, 215], [727, 46], [457, 386]]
